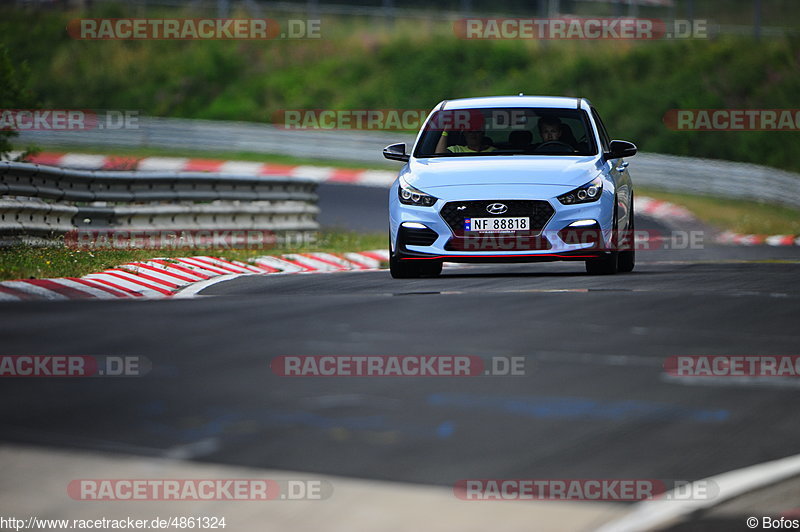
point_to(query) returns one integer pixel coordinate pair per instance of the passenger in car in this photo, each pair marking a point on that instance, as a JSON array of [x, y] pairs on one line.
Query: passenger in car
[[474, 136], [476, 141]]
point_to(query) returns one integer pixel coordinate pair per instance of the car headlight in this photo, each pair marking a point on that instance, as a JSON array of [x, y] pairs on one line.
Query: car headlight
[[411, 196], [587, 193]]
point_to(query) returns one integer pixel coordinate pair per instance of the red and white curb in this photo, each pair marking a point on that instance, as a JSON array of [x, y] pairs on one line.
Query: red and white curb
[[378, 178], [662, 210], [169, 277], [669, 212], [738, 239]]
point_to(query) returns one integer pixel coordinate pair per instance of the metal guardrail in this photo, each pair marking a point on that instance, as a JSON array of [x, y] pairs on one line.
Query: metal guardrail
[[33, 218], [44, 202], [723, 179]]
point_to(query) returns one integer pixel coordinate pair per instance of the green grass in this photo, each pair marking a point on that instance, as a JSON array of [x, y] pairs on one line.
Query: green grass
[[25, 262], [734, 215]]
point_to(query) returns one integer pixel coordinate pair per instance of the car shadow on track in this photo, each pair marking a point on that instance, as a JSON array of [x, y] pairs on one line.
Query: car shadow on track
[[578, 274]]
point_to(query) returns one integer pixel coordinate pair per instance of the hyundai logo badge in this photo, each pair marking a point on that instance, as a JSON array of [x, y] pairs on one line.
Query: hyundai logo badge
[[496, 208]]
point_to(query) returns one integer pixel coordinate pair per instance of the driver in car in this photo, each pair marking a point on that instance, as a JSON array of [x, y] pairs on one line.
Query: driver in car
[[555, 133], [551, 129]]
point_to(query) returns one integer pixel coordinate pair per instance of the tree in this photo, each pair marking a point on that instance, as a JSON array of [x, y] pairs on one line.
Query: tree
[[13, 95]]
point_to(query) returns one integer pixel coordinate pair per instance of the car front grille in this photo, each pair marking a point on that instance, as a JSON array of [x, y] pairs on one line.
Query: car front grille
[[454, 212]]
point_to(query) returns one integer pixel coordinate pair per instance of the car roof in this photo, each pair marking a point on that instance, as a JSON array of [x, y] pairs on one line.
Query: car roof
[[554, 102]]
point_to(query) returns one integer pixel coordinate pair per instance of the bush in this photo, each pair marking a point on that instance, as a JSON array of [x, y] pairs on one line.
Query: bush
[[12, 96]]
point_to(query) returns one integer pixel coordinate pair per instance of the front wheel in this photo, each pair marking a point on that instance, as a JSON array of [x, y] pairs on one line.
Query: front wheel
[[627, 257], [605, 265], [431, 268], [402, 270], [410, 269], [626, 261]]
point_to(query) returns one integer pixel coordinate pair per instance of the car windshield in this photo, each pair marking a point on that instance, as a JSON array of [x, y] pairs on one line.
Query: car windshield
[[506, 131]]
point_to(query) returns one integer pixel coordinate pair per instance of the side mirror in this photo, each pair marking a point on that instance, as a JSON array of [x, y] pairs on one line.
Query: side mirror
[[620, 149], [396, 152]]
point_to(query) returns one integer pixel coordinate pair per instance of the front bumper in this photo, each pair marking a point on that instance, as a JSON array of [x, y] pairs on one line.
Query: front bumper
[[546, 244], [505, 257]]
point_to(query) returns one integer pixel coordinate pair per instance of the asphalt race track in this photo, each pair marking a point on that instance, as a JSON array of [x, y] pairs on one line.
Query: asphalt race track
[[353, 208], [595, 401]]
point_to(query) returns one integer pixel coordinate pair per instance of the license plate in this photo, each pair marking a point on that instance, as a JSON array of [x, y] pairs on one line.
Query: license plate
[[492, 225]]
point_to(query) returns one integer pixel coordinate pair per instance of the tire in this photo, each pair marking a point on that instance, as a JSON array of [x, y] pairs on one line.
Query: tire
[[606, 265], [626, 261], [431, 268], [412, 269], [627, 257], [402, 270]]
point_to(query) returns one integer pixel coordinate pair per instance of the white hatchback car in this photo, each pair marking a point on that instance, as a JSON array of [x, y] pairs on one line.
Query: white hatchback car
[[511, 179]]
